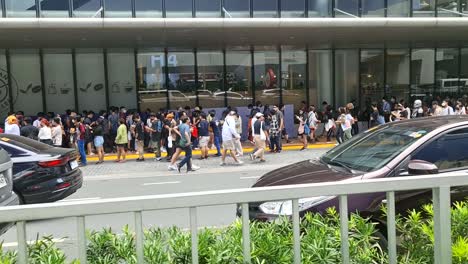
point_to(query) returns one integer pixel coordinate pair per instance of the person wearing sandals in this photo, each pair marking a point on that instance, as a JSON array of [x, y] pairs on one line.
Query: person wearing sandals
[[121, 140], [98, 133]]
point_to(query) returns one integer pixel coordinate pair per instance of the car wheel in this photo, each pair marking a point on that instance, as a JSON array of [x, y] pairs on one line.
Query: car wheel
[[20, 198], [382, 240]]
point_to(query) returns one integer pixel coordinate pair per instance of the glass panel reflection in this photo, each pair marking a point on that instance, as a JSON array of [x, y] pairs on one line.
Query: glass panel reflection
[[464, 72], [121, 76], [372, 76], [423, 8], [50, 8], [448, 83], [398, 65], [346, 76], [208, 8], [90, 80], [237, 8], [118, 8], [87, 8], [373, 8], [181, 82], [4, 91], [345, 8], [293, 74], [211, 79], [239, 77], [398, 8], [179, 8], [292, 8], [151, 76], [23, 8], [447, 8], [320, 8], [320, 77], [267, 88], [148, 8], [265, 8], [422, 75]]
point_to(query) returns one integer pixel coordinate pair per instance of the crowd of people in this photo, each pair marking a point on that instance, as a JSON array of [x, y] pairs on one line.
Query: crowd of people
[[173, 132]]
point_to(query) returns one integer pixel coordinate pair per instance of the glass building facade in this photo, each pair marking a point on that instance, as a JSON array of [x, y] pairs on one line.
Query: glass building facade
[[154, 76]]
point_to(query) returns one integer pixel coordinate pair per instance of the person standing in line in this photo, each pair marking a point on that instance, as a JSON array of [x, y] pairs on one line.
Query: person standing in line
[[121, 140], [283, 131], [302, 117], [204, 136], [45, 133], [113, 125], [185, 144], [12, 126], [216, 133], [228, 134], [57, 132], [169, 127], [155, 128], [28, 130], [260, 138], [98, 133], [446, 108], [80, 138], [280, 118], [139, 135], [237, 141], [312, 121], [274, 132]]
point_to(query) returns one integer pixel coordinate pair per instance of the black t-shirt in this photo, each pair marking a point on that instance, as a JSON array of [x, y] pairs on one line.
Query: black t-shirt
[[203, 129], [158, 127], [139, 131], [258, 126], [29, 131], [97, 130]]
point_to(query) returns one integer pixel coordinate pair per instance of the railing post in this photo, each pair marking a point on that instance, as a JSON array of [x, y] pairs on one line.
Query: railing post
[[140, 238], [344, 229], [246, 233], [391, 229], [194, 231], [81, 239], [442, 225], [22, 244], [296, 231]]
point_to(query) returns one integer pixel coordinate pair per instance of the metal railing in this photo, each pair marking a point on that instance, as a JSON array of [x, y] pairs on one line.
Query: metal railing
[[440, 185]]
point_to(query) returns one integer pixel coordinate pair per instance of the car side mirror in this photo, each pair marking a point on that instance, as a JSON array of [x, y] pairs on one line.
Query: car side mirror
[[421, 167]]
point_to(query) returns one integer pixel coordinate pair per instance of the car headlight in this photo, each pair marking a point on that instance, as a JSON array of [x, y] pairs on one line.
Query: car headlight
[[285, 207]]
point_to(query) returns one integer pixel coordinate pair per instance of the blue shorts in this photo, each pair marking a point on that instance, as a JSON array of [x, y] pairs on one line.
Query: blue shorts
[[98, 141]]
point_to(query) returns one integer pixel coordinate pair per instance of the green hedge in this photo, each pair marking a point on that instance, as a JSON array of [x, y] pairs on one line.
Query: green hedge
[[271, 242]]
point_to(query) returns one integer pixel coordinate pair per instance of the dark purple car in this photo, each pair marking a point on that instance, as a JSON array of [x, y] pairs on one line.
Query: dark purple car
[[404, 148]]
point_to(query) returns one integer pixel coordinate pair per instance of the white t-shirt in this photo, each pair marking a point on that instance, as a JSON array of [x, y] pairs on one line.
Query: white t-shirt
[[229, 129], [45, 133], [57, 136], [12, 129]]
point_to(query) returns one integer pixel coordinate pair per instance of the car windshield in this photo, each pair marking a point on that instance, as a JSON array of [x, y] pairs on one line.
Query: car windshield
[[372, 150]]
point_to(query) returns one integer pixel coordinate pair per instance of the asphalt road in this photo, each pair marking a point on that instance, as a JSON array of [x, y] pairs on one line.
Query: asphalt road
[[111, 180]]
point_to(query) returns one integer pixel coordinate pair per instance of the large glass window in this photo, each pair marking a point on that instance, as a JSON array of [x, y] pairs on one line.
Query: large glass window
[[181, 83], [398, 8], [372, 76], [464, 72], [239, 77], [151, 77], [320, 77], [267, 87], [423, 8], [293, 76], [4, 88], [26, 81], [237, 8], [447, 75], [121, 76], [373, 8], [118, 8], [292, 8], [91, 80], [345, 8], [58, 80], [208, 8], [447, 8], [464, 6], [320, 8], [88, 8], [54, 8], [265, 8], [23, 8], [398, 70], [422, 74], [179, 8], [148, 8], [346, 77], [211, 80]]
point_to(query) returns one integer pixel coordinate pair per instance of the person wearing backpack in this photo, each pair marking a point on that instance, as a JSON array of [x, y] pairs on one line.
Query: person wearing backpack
[[113, 125], [155, 128], [139, 135]]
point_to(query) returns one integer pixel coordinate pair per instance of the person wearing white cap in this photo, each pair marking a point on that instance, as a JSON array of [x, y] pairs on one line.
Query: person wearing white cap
[[260, 136], [229, 133]]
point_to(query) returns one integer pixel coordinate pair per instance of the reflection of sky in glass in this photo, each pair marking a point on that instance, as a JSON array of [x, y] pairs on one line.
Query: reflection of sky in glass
[[148, 5], [236, 5], [22, 5], [86, 5], [292, 4], [119, 5], [179, 5]]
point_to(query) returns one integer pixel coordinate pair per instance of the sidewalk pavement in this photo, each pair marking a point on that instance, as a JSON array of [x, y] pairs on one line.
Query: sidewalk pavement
[[247, 147]]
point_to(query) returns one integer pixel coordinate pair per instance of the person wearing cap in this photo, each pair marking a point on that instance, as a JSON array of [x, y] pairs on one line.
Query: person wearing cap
[[11, 126], [228, 134], [260, 134], [45, 133]]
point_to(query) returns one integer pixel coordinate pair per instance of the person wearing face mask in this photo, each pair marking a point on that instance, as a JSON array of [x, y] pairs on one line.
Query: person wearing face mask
[[418, 111], [446, 108], [139, 135]]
